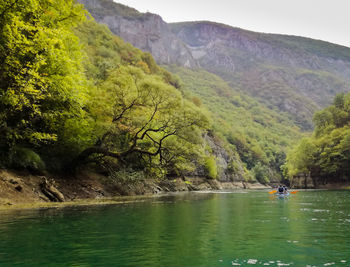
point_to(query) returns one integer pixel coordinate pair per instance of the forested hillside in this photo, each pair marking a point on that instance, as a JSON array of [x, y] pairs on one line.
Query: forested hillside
[[43, 85], [260, 135], [288, 74], [325, 155], [75, 95], [72, 93]]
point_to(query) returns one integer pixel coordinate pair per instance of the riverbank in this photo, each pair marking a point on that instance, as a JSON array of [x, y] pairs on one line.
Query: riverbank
[[25, 189]]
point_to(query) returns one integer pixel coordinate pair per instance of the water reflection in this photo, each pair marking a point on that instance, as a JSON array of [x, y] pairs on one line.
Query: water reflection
[[188, 229]]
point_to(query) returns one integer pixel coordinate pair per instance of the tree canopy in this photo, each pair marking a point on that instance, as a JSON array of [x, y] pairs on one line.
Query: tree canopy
[[325, 155], [41, 76], [72, 93]]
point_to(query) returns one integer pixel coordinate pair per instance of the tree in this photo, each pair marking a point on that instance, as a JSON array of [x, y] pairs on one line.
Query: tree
[[302, 158], [139, 115], [325, 156], [41, 76]]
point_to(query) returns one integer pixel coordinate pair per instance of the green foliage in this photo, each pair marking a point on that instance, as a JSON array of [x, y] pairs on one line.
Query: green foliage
[[70, 89], [136, 111], [211, 168], [74, 93], [140, 113], [261, 173], [41, 76], [326, 154], [126, 176], [25, 158], [107, 52], [258, 134], [302, 157]]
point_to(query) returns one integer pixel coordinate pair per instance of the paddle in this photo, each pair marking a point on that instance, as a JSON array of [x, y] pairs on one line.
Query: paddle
[[275, 191]]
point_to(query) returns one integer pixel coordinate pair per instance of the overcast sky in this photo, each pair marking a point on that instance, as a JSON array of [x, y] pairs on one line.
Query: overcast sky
[[327, 20]]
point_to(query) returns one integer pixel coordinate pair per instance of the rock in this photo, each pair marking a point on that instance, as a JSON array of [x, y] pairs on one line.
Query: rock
[[146, 31], [19, 188], [289, 73], [215, 184], [12, 181], [224, 159]]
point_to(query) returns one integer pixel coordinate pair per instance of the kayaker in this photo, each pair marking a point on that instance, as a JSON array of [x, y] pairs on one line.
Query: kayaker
[[280, 189], [285, 189]]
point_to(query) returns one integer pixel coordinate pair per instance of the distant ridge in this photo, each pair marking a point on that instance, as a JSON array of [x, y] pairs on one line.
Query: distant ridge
[[291, 74]]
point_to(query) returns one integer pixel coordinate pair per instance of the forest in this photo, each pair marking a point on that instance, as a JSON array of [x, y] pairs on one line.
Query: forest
[[73, 95], [111, 157], [325, 155]]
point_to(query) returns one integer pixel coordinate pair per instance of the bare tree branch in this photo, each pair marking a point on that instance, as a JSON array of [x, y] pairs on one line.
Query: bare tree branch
[[120, 116]]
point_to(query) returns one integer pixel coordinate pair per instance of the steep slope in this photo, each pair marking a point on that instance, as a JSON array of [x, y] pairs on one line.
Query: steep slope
[[293, 74], [260, 136], [286, 73], [145, 31], [260, 89]]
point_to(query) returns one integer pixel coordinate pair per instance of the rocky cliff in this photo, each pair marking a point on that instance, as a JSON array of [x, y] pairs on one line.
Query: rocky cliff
[[145, 31], [290, 74], [268, 83]]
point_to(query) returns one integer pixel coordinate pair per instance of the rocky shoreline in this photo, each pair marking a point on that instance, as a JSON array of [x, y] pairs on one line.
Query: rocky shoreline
[[17, 188]]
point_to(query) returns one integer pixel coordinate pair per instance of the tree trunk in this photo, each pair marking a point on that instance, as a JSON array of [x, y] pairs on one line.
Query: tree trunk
[[51, 192]]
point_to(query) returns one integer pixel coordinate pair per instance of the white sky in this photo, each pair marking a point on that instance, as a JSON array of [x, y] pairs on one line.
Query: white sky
[[327, 20]]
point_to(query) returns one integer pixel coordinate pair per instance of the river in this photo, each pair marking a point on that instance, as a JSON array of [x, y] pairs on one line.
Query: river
[[239, 228]]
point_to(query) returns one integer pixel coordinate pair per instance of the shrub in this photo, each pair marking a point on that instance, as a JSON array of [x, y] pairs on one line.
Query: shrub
[[210, 166], [127, 176], [261, 173], [25, 158]]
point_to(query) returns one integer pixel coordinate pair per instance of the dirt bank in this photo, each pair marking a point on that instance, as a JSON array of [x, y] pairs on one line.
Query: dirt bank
[[25, 188]]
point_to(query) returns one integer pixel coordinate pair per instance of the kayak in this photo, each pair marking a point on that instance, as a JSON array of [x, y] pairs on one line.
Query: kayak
[[282, 195]]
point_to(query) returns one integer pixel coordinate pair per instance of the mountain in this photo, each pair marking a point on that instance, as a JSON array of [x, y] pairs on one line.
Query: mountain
[[293, 74], [289, 74], [145, 31], [261, 90]]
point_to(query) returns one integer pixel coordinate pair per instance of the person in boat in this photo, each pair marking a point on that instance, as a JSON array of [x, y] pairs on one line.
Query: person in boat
[[285, 189], [280, 189]]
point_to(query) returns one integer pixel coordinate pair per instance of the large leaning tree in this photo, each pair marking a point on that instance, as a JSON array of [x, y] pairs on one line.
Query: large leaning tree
[[139, 117]]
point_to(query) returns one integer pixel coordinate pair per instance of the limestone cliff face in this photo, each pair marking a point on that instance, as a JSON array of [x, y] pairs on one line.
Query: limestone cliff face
[[227, 46], [145, 31], [290, 74], [229, 166]]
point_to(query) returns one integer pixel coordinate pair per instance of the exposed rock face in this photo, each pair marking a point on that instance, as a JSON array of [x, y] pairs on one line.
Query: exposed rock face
[[225, 160], [147, 32], [208, 39], [291, 74], [288, 74], [228, 164]]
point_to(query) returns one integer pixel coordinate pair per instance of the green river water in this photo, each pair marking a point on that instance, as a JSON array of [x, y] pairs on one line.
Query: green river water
[[239, 228]]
